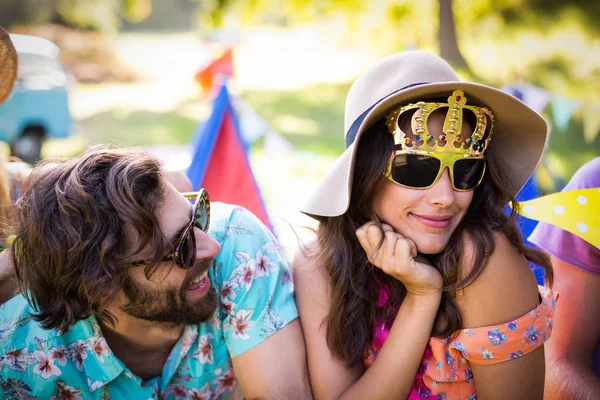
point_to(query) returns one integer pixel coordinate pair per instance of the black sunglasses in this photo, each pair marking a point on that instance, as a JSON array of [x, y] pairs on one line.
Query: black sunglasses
[[184, 253], [422, 171]]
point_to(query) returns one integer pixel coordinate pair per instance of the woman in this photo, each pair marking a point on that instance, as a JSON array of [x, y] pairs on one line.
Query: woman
[[418, 284]]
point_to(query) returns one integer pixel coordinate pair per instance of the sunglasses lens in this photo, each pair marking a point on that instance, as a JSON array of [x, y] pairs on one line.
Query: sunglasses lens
[[187, 252], [202, 215], [468, 173], [414, 170]]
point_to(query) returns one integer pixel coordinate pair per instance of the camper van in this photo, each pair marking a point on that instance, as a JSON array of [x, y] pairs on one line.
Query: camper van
[[38, 107]]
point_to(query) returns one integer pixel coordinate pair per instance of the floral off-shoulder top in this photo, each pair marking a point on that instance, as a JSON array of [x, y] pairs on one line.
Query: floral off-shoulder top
[[445, 371]]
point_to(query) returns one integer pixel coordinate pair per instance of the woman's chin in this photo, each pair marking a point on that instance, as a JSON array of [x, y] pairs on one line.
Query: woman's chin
[[425, 247]]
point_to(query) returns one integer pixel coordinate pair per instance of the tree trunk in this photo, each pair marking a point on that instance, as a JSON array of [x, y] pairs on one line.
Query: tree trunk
[[449, 50]]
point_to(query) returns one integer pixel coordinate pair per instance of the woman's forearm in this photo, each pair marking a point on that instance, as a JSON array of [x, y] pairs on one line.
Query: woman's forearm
[[392, 374]]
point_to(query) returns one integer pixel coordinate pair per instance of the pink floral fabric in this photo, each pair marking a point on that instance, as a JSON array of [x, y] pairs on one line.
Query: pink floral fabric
[[445, 371]]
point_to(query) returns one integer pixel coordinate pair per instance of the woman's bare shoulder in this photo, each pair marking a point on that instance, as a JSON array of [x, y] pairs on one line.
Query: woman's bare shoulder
[[310, 278], [505, 290], [304, 255]]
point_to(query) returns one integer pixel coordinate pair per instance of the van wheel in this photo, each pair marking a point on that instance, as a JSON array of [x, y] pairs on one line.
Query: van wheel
[[28, 146]]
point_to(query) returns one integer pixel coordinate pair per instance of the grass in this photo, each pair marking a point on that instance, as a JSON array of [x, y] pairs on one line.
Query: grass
[[116, 127], [138, 128], [103, 115], [311, 118]]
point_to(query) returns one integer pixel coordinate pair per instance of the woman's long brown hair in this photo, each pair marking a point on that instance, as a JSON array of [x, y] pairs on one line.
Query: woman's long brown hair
[[355, 282]]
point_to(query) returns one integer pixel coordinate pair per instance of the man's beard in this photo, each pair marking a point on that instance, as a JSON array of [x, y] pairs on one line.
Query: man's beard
[[170, 305]]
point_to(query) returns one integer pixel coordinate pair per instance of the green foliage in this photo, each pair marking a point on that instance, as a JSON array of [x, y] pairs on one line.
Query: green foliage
[[101, 15], [565, 152], [586, 11], [136, 10], [92, 14], [212, 12]]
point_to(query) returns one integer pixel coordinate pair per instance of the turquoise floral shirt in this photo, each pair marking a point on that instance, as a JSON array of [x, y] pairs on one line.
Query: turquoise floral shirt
[[256, 299]]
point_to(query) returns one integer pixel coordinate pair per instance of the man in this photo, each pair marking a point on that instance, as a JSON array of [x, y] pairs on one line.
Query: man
[[127, 294], [573, 352]]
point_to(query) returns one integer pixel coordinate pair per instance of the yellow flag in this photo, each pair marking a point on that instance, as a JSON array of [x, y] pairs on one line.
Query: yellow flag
[[576, 211], [591, 125]]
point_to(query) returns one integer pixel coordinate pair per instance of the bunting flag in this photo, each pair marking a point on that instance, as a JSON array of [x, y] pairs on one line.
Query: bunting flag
[[528, 192], [222, 65], [591, 124], [220, 163], [575, 211], [535, 97], [252, 125], [562, 110], [276, 147]]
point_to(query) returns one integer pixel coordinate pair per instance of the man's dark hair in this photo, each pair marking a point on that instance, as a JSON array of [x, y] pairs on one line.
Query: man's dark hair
[[79, 223]]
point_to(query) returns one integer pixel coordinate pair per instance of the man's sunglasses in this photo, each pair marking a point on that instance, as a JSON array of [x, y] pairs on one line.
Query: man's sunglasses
[[184, 253], [422, 171]]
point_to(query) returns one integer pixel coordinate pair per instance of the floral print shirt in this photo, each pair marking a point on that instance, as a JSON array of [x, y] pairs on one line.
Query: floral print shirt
[[445, 371], [256, 299]]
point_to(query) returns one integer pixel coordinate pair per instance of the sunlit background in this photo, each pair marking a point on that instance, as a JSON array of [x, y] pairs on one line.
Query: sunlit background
[[144, 73]]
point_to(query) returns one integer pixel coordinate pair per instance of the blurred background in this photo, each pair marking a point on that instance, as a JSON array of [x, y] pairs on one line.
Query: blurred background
[[146, 73]]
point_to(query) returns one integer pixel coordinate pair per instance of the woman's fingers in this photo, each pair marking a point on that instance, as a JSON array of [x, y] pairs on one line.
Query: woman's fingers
[[384, 247], [370, 238], [363, 238], [398, 257], [406, 247], [387, 228]]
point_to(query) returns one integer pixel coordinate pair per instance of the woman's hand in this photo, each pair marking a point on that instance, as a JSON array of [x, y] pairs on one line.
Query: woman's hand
[[398, 257]]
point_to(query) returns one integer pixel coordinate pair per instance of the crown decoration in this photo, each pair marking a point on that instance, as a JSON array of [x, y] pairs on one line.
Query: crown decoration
[[451, 140]]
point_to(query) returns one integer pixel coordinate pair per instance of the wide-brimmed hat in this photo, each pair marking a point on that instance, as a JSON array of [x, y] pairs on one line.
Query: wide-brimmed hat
[[518, 138], [8, 65]]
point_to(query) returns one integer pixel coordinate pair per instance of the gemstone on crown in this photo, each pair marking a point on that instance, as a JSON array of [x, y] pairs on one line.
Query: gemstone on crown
[[475, 144]]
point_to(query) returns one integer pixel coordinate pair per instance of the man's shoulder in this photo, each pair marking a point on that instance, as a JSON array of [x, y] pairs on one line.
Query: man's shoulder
[[47, 363], [221, 213], [230, 220], [17, 326], [20, 331]]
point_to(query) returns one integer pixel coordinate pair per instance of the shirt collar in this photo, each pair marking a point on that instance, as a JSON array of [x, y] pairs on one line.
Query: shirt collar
[[101, 366], [99, 363]]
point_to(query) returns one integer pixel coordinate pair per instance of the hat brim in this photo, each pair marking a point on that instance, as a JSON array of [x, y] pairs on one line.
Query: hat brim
[[518, 141], [8, 65]]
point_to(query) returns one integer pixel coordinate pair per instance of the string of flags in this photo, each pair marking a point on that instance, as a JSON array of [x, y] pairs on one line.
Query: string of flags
[[563, 108], [578, 211], [575, 211]]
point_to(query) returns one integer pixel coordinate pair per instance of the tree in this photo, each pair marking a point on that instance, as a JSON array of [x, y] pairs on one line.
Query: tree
[[447, 35], [412, 13], [102, 15]]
